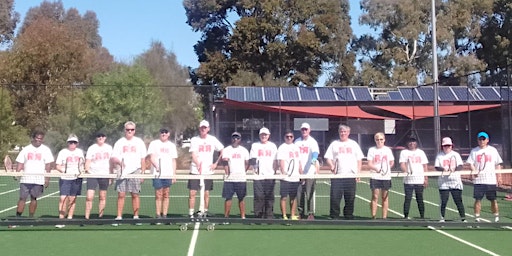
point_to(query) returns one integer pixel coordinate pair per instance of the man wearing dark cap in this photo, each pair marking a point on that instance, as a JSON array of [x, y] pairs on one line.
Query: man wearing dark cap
[[484, 161], [236, 160]]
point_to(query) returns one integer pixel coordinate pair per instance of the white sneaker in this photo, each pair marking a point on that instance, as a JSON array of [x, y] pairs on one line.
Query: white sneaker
[[136, 218], [497, 219], [441, 220], [60, 226], [117, 219], [477, 219]]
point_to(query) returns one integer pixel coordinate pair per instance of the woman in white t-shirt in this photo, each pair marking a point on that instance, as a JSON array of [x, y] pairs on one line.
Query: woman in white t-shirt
[[414, 162], [380, 159]]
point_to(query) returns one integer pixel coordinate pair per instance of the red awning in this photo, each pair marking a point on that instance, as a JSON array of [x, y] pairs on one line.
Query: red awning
[[336, 111], [419, 112]]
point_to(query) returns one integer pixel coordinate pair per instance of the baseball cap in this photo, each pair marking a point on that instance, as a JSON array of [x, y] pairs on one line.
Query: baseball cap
[[305, 125], [264, 130], [164, 130], [446, 141], [236, 134], [482, 134], [411, 138], [100, 134], [204, 123], [72, 137]]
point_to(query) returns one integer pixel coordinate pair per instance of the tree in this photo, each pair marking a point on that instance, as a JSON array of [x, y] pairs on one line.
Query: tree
[[180, 102], [11, 133], [8, 20], [283, 40]]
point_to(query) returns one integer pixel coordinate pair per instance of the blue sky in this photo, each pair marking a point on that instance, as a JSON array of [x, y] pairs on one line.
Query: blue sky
[[128, 27]]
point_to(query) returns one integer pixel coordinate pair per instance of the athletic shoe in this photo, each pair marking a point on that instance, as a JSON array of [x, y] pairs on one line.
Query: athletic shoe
[[118, 218], [497, 219], [158, 217], [294, 217], [311, 217], [285, 217], [60, 226], [136, 218], [477, 219], [12, 226], [441, 220]]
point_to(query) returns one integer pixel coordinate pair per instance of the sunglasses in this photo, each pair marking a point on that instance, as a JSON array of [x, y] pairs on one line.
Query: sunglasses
[[444, 146], [129, 130], [289, 136], [235, 138], [72, 142], [101, 136], [164, 131], [379, 139]]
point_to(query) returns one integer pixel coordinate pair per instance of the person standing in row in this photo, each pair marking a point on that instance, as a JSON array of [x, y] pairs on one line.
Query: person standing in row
[[162, 154], [34, 160], [129, 153], [449, 161], [265, 154], [236, 159], [291, 167], [380, 160], [97, 162], [308, 153], [485, 160], [413, 161], [344, 157], [202, 148]]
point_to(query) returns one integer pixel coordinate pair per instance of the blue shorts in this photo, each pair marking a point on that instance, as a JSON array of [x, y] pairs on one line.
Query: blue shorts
[[484, 189], [287, 188], [161, 183], [230, 188], [70, 187], [32, 190]]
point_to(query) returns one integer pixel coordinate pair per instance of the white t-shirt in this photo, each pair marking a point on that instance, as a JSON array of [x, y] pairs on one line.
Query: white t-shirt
[[348, 153], [34, 161], [381, 157], [131, 152], [236, 163], [204, 148], [492, 158], [417, 159], [100, 158], [165, 152], [452, 181], [289, 153], [70, 161], [265, 155], [306, 149]]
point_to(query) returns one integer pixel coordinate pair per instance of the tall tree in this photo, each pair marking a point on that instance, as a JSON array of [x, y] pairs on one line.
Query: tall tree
[[180, 102], [8, 20], [11, 133]]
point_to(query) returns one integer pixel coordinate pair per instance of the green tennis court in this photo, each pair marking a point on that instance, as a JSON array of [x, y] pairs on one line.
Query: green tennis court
[[252, 239]]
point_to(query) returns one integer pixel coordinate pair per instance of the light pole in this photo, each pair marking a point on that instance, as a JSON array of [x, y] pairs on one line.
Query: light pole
[[437, 121]]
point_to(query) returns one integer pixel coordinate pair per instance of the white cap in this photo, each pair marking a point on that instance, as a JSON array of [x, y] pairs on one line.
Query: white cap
[[446, 141], [204, 123], [264, 130], [72, 137], [305, 125]]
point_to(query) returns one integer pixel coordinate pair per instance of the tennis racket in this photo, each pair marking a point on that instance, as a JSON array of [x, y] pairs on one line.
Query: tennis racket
[[257, 167], [481, 163], [452, 165], [66, 166], [9, 166], [335, 167], [119, 173], [384, 166], [409, 167], [81, 166], [291, 167], [159, 169]]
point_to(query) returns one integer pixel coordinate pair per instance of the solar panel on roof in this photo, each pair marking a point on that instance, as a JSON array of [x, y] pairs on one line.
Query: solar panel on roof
[[290, 94], [308, 93], [325, 94], [407, 93], [506, 93], [446, 94], [362, 93], [462, 93], [488, 93], [253, 94], [394, 95], [235, 93], [426, 93], [343, 94], [272, 93]]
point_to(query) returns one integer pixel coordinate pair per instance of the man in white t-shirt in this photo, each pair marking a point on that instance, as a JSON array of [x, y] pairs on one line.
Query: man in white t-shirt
[[484, 161], [290, 166], [97, 162], [347, 153], [162, 155], [202, 148], [236, 160], [70, 160], [129, 153], [265, 154], [308, 154], [35, 159], [413, 161]]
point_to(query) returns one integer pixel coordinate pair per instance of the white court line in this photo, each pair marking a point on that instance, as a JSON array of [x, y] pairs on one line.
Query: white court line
[[434, 229], [10, 191], [193, 240], [28, 202]]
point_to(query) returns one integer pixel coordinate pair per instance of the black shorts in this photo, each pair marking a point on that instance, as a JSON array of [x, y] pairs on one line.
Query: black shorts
[[194, 185], [93, 183], [287, 188], [380, 184], [484, 189], [230, 188], [70, 187]]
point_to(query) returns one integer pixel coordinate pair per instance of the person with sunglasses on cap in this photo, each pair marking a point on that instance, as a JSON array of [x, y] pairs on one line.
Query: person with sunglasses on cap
[[413, 161], [449, 161], [202, 148], [70, 161], [264, 154], [485, 160], [308, 153], [97, 161], [129, 157], [236, 163], [291, 167], [380, 160], [162, 154]]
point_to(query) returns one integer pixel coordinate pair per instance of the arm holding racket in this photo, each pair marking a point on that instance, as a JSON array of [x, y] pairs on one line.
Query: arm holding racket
[[330, 164], [48, 169], [425, 169]]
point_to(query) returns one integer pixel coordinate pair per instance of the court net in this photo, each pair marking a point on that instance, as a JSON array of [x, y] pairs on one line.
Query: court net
[[48, 204]]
